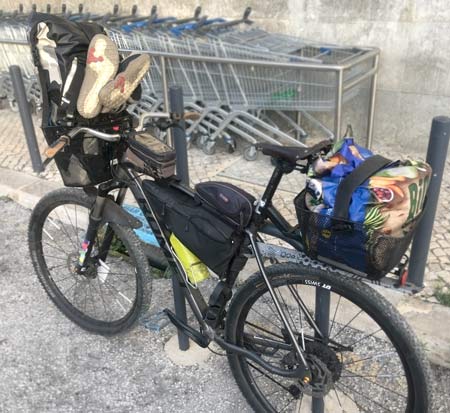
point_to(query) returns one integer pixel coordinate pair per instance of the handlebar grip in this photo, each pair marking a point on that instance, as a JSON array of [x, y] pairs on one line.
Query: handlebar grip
[[51, 151]]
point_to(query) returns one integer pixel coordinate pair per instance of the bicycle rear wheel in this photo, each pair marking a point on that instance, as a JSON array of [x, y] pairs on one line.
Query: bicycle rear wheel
[[114, 290], [370, 362]]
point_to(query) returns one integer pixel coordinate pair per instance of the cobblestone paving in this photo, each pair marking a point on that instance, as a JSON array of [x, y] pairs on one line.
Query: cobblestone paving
[[251, 176]]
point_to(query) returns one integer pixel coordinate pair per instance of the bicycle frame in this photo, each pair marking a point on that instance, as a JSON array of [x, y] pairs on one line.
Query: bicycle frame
[[264, 213]]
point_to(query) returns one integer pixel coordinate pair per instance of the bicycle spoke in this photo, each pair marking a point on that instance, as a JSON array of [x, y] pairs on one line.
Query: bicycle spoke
[[267, 376], [263, 316], [56, 258], [298, 407], [334, 316], [370, 358], [362, 394], [66, 278], [56, 266], [350, 397], [374, 382], [67, 214], [343, 328], [286, 307], [92, 297], [303, 306], [103, 300], [365, 337], [337, 397], [263, 329], [111, 287], [268, 302], [56, 246], [64, 230], [66, 291]]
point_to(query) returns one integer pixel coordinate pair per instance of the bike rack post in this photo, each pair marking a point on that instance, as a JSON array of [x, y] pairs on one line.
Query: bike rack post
[[436, 157], [25, 115], [180, 145], [322, 313]]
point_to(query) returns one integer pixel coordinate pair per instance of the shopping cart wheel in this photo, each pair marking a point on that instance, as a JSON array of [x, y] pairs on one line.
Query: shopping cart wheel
[[33, 107], [209, 147], [13, 105], [250, 153], [199, 140], [231, 148]]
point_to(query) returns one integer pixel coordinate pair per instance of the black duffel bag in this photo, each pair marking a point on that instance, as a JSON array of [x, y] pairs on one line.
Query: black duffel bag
[[202, 221]]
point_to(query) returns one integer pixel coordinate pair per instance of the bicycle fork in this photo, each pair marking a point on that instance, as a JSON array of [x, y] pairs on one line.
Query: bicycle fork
[[95, 218], [101, 207]]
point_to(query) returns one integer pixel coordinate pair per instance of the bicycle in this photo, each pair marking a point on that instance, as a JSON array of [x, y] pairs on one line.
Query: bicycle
[[94, 269]]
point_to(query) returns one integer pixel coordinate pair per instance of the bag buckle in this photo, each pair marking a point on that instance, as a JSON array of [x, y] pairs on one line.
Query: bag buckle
[[339, 226]]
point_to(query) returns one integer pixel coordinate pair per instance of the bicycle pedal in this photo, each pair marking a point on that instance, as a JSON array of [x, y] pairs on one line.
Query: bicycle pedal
[[194, 335]]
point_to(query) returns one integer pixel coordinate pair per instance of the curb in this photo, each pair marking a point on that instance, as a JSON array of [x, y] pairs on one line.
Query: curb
[[23, 188], [428, 320]]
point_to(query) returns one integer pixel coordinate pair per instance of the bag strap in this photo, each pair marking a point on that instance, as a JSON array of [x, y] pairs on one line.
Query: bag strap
[[356, 178], [69, 99]]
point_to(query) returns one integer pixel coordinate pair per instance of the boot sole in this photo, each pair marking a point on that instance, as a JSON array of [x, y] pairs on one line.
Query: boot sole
[[116, 92], [101, 66]]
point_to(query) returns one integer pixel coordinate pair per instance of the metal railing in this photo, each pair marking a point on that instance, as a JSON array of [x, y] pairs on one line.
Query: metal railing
[[255, 93]]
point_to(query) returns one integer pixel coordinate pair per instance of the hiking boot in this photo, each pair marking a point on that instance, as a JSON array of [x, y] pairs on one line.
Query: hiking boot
[[101, 66], [116, 92]]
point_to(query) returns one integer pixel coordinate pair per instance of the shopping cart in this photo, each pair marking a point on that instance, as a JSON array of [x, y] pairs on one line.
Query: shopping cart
[[245, 83]]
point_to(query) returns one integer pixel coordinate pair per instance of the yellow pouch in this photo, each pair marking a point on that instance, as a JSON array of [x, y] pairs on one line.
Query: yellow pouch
[[195, 269]]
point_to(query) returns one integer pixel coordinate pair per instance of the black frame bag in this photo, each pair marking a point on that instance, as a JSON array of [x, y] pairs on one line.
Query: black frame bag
[[214, 238]]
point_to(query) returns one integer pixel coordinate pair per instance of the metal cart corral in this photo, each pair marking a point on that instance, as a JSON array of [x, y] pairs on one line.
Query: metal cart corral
[[342, 84], [244, 83]]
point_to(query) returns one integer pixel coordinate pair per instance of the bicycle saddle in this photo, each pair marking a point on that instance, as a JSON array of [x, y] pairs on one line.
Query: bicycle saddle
[[293, 154]]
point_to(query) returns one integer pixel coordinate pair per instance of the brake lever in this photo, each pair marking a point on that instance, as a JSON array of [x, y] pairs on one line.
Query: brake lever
[[164, 121]]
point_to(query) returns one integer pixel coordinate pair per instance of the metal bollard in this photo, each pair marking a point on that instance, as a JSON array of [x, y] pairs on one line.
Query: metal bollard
[[25, 115], [436, 157], [322, 312], [179, 134], [180, 145]]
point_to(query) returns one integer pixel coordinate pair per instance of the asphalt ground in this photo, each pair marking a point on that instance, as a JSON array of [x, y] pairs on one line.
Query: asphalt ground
[[48, 364]]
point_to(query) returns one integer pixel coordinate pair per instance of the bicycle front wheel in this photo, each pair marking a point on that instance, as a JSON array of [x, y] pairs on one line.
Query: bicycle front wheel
[[367, 361], [116, 286]]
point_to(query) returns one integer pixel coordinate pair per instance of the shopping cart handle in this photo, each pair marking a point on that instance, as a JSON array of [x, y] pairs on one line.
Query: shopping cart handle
[[246, 15], [128, 28], [197, 12], [163, 20], [178, 30], [204, 21]]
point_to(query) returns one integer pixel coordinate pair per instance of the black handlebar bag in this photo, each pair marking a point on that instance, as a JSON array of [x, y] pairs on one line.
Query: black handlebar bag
[[349, 245]]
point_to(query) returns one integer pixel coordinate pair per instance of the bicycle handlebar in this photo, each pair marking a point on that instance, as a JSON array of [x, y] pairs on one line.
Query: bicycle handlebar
[[108, 137]]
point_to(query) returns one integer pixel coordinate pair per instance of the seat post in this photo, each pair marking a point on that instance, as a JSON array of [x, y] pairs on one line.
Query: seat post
[[281, 168]]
